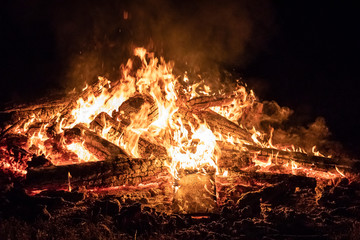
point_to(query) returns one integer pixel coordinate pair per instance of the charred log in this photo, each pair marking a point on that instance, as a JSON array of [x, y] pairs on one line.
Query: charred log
[[42, 110], [65, 113], [204, 102], [248, 187], [238, 156], [116, 129], [109, 173], [216, 122], [98, 146], [11, 128], [133, 106]]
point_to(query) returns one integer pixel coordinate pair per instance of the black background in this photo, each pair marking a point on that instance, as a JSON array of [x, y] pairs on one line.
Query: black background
[[302, 54]]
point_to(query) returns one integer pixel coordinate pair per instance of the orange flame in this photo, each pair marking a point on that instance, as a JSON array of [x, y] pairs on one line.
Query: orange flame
[[189, 144]]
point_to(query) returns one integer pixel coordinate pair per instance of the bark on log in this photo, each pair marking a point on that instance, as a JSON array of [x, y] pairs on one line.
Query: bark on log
[[98, 146], [145, 148], [158, 195], [109, 173]]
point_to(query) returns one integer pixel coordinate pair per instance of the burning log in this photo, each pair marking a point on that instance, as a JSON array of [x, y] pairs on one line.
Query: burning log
[[98, 146], [116, 129], [226, 127], [108, 173], [254, 178], [316, 162], [242, 186], [216, 122], [65, 113], [205, 102], [133, 106], [238, 156], [11, 128], [44, 110]]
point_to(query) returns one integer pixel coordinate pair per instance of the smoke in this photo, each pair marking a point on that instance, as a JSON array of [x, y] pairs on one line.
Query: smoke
[[95, 38], [268, 116]]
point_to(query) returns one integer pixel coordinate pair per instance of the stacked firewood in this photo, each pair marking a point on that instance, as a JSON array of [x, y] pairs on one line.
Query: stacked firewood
[[116, 171]]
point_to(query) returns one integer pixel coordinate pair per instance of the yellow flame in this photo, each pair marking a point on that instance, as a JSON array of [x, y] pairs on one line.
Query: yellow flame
[[83, 154]]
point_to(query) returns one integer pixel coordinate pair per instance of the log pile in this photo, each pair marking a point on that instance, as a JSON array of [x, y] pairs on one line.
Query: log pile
[[127, 196], [99, 162], [114, 170]]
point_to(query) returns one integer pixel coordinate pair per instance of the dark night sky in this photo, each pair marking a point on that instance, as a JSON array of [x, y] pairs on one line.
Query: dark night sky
[[312, 64], [306, 52]]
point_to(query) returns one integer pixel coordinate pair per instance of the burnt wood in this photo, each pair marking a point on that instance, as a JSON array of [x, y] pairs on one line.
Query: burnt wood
[[216, 122], [95, 144], [117, 128], [238, 156], [204, 102], [133, 106], [108, 173]]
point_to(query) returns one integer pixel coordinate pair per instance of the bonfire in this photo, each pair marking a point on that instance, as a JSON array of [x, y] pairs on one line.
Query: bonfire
[[171, 143]]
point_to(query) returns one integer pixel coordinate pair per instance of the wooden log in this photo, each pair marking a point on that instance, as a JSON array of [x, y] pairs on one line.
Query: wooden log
[[95, 144], [256, 178], [237, 156], [157, 194], [316, 162], [216, 122], [108, 173], [204, 102], [224, 126], [42, 109], [133, 106], [65, 113], [116, 129], [255, 185], [103, 120], [11, 129]]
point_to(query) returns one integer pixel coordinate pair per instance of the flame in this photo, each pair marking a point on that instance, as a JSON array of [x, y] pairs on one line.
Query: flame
[[83, 154], [242, 100], [69, 182], [190, 143], [105, 99]]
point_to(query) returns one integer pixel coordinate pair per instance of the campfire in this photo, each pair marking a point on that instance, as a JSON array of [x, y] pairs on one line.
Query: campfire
[[171, 144]]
